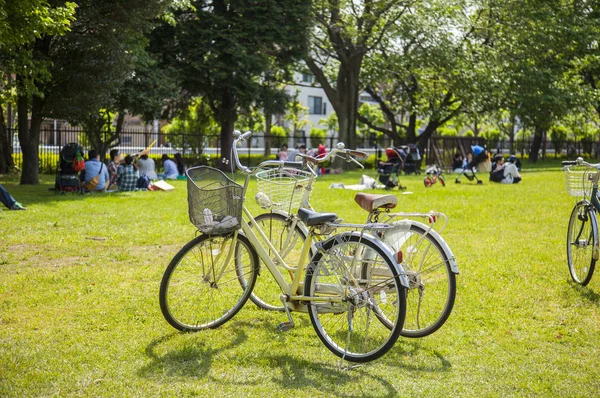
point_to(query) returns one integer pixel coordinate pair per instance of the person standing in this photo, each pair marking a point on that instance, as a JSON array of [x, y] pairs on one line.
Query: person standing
[[8, 201], [321, 152]]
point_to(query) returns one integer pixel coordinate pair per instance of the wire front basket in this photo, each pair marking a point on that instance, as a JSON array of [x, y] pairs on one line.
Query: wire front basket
[[214, 201], [281, 188], [579, 180]]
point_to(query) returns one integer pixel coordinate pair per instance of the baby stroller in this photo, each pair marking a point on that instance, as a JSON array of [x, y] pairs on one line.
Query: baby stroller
[[389, 170], [480, 155], [67, 173], [412, 159]]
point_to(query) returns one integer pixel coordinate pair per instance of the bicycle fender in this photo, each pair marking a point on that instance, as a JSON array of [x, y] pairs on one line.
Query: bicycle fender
[[403, 226]]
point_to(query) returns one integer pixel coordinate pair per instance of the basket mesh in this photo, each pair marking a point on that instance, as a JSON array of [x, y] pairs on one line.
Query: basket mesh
[[281, 188], [214, 201], [579, 180]]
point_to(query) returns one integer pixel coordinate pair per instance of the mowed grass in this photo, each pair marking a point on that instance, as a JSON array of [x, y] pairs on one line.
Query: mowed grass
[[79, 312]]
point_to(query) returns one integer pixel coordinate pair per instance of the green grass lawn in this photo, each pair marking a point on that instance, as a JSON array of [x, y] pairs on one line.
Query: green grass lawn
[[79, 313]]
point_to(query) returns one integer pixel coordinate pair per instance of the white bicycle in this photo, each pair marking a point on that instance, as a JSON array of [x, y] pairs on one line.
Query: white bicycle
[[350, 283], [425, 256]]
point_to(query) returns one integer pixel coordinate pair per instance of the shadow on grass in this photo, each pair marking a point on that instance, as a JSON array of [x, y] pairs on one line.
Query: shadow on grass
[[293, 373], [586, 293], [191, 358], [191, 355], [30, 195], [403, 355]]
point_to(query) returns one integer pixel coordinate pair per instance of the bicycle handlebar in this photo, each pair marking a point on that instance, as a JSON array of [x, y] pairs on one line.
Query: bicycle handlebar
[[239, 137], [347, 154], [579, 162]]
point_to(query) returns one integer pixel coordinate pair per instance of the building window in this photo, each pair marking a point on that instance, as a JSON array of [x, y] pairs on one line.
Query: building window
[[307, 78], [366, 98], [315, 105]]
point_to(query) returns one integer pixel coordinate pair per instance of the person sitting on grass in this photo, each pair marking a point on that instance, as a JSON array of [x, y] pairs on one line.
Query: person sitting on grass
[[127, 175], [94, 167], [146, 165], [113, 165], [170, 168], [8, 201], [504, 172], [180, 164]]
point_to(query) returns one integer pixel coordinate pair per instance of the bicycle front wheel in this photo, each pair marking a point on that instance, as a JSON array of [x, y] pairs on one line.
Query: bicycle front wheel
[[345, 304], [582, 238], [432, 284], [208, 281]]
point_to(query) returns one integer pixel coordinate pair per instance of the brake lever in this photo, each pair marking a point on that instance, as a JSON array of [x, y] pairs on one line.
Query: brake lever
[[350, 158]]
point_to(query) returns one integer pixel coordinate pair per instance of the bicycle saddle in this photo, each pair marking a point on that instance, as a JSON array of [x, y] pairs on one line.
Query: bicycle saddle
[[371, 202], [310, 218]]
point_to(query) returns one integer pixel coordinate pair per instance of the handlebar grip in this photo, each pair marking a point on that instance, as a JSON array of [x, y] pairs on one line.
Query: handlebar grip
[[295, 165], [357, 154]]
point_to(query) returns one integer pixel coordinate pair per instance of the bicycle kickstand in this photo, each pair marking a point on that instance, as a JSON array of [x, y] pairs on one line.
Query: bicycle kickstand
[[285, 326]]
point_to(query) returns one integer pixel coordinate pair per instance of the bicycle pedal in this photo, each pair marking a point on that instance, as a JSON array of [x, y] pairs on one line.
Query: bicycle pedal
[[284, 327]]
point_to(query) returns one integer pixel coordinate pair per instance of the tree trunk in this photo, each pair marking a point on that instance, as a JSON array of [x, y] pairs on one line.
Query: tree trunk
[[29, 137], [6, 160], [427, 133], [226, 116], [348, 94], [411, 131], [511, 134], [536, 144], [267, 138]]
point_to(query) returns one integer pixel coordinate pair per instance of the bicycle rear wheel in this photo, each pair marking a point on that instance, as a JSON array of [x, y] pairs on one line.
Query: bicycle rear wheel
[[208, 281], [288, 243], [432, 284], [582, 238], [344, 306]]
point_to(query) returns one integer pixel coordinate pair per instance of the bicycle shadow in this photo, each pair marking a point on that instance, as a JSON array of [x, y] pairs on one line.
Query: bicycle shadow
[[192, 358], [586, 293], [191, 355], [405, 350]]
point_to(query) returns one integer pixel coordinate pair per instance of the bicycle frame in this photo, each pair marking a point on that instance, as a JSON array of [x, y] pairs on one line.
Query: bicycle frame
[[295, 299], [373, 217]]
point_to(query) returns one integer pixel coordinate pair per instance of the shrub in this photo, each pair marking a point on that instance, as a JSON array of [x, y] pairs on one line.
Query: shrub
[[317, 136], [278, 136]]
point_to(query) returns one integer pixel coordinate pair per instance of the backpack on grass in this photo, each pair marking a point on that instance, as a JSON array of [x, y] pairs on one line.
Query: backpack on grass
[[143, 182], [497, 175]]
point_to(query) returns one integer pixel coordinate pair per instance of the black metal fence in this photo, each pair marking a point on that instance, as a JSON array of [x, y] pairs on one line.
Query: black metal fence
[[204, 149], [197, 148]]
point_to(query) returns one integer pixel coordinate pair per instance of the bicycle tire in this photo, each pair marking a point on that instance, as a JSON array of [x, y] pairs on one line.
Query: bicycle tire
[[349, 328], [266, 293], [442, 181], [582, 238], [432, 283], [427, 182], [203, 287]]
